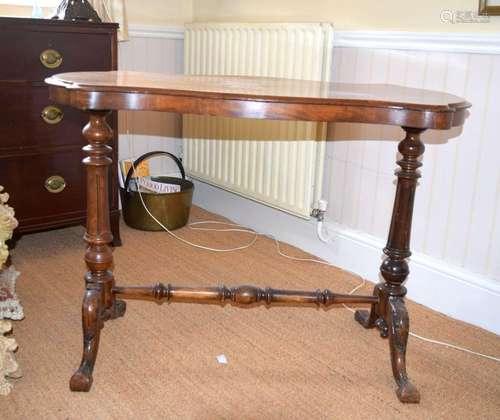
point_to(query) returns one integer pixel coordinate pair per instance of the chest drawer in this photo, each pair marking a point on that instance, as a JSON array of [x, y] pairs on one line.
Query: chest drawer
[[27, 179], [30, 120], [34, 149], [20, 53]]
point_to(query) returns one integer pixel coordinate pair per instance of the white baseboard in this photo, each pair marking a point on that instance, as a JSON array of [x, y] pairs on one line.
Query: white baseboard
[[447, 289]]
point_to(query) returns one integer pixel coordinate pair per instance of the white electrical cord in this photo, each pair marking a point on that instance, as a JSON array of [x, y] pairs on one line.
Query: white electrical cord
[[238, 228]]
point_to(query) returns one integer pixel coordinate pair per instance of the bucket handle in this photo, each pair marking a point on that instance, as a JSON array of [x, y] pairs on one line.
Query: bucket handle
[[148, 155]]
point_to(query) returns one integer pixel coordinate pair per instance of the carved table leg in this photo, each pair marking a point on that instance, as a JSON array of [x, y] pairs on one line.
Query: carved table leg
[[99, 303], [390, 314], [92, 324]]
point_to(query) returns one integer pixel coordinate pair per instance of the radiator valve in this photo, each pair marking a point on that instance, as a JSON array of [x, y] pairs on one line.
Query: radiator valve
[[319, 215]]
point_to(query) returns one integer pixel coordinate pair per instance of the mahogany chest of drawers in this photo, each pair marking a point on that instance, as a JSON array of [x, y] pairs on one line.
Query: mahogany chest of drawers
[[41, 142]]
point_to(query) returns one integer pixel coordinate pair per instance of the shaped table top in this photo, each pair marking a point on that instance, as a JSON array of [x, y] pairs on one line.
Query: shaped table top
[[259, 97]]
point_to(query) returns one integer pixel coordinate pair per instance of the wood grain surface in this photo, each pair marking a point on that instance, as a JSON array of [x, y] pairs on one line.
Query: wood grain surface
[[260, 98]]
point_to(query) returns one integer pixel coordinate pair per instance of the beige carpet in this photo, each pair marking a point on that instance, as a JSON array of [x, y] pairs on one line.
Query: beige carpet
[[159, 362]]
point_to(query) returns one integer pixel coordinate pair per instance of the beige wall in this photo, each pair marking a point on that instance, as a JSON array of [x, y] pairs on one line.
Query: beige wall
[[159, 12], [140, 12], [421, 15]]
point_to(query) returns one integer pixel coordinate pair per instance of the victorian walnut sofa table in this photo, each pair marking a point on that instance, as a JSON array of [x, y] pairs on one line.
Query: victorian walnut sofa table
[[99, 93]]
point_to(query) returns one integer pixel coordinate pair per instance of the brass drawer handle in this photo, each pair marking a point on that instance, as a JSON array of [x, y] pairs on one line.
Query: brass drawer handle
[[52, 114], [55, 184], [51, 59]]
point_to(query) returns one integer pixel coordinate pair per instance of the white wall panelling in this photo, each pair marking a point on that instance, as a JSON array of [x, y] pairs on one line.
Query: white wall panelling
[[457, 206], [159, 50], [456, 235]]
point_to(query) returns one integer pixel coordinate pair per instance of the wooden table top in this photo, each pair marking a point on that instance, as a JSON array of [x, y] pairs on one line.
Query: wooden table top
[[258, 97]]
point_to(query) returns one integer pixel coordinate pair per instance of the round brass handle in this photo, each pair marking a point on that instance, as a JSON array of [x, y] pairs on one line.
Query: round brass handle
[[55, 184], [52, 114], [51, 59]]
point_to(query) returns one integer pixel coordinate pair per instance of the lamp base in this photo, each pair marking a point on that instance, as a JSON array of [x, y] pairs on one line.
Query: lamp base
[[76, 10]]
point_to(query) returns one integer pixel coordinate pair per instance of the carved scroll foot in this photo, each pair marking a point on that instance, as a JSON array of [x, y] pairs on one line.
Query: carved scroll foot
[[374, 318], [408, 393], [81, 381], [398, 339], [92, 325]]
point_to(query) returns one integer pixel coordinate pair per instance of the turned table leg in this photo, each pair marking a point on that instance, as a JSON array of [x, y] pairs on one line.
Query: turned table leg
[[390, 315], [99, 303]]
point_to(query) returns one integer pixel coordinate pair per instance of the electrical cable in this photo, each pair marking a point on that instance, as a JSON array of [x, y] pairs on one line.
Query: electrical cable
[[238, 228]]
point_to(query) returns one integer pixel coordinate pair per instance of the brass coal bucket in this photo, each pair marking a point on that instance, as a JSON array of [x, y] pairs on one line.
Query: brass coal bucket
[[171, 209]]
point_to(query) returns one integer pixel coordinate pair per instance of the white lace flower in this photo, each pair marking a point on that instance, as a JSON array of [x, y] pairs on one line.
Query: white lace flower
[[8, 223]]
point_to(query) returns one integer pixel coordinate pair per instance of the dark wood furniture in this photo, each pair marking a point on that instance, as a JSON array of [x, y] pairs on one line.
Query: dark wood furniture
[[486, 8], [414, 110], [40, 141]]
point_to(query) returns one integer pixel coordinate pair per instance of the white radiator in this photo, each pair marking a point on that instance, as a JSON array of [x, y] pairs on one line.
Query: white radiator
[[278, 163]]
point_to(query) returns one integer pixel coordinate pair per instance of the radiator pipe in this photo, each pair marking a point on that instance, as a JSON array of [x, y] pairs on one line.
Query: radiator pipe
[[319, 214]]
